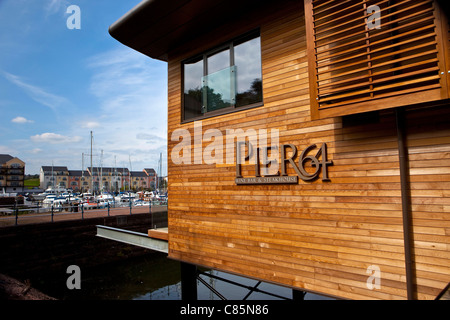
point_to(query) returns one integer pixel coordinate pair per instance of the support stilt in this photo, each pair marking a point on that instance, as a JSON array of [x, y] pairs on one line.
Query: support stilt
[[298, 295], [188, 282]]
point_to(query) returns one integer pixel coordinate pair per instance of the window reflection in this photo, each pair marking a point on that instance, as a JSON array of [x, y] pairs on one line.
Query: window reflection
[[224, 79], [247, 57], [218, 61], [193, 72]]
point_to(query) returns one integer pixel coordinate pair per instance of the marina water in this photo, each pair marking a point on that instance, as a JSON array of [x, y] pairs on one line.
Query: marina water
[[155, 277]]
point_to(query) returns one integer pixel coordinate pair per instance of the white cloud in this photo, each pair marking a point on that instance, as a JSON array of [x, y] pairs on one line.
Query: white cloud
[[36, 93], [150, 138], [7, 150], [122, 73], [55, 6], [21, 120], [36, 151], [90, 125], [54, 138], [132, 93]]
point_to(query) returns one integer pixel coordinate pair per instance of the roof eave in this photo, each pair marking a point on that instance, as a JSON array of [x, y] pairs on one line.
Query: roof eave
[[158, 27]]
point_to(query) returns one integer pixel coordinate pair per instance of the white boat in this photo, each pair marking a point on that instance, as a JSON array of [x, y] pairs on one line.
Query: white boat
[[53, 200], [43, 195], [49, 199], [71, 197], [59, 201], [49, 191], [87, 196], [87, 203], [125, 197], [140, 203], [106, 197]]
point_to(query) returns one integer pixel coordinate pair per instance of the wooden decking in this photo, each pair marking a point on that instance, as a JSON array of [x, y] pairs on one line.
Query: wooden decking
[[159, 233]]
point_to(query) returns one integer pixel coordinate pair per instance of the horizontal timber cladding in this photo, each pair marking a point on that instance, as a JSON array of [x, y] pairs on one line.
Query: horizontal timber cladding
[[429, 154], [329, 237]]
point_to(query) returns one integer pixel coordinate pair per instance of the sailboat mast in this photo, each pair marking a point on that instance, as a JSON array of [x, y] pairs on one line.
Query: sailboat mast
[[101, 172], [160, 171], [92, 174], [129, 171], [53, 178], [82, 172]]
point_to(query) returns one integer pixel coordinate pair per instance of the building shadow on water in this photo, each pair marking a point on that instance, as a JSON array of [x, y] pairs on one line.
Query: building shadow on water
[[154, 277]]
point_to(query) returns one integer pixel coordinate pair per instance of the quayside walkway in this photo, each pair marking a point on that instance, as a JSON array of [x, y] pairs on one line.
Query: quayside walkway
[[31, 218]]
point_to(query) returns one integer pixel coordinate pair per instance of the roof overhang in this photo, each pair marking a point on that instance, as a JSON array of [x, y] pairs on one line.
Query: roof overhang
[[156, 27]]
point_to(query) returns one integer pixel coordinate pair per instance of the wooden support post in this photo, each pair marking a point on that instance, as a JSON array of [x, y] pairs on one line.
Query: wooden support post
[[188, 282], [406, 203]]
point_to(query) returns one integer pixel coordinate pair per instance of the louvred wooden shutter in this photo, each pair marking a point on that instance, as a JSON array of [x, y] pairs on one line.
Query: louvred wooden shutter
[[355, 67]]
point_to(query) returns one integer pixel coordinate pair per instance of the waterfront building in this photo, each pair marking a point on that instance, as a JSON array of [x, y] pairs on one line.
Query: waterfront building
[[79, 180], [139, 180], [109, 179], [308, 141], [53, 176], [12, 174], [152, 177], [96, 179], [117, 179]]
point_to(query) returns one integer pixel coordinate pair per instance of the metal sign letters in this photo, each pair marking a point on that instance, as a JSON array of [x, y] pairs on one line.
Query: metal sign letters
[[317, 162]]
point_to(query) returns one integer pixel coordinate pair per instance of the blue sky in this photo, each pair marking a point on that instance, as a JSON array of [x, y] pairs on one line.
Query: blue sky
[[59, 84]]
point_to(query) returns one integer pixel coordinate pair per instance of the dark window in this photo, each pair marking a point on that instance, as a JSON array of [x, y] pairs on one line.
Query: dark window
[[224, 79], [193, 72]]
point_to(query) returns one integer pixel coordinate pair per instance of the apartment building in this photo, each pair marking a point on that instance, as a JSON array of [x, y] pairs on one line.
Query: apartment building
[[97, 179], [12, 174]]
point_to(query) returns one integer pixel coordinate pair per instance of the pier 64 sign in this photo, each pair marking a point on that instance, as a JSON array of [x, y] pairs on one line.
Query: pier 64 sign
[[316, 162], [273, 163]]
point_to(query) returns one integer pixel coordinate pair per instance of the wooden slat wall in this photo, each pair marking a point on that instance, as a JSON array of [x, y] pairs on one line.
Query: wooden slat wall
[[360, 69], [429, 154], [318, 236]]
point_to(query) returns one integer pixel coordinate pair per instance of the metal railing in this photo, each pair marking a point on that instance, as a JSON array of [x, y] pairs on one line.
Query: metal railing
[[38, 212]]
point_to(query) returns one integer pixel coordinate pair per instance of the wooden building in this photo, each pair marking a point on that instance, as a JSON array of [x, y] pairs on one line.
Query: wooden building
[[349, 100]]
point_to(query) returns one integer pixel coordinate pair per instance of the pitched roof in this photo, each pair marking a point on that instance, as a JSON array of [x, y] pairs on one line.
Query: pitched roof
[[138, 174], [4, 158], [54, 168], [78, 173], [107, 170]]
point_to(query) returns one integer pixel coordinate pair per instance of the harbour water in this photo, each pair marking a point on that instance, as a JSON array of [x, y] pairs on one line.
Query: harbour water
[[149, 277], [155, 277]]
